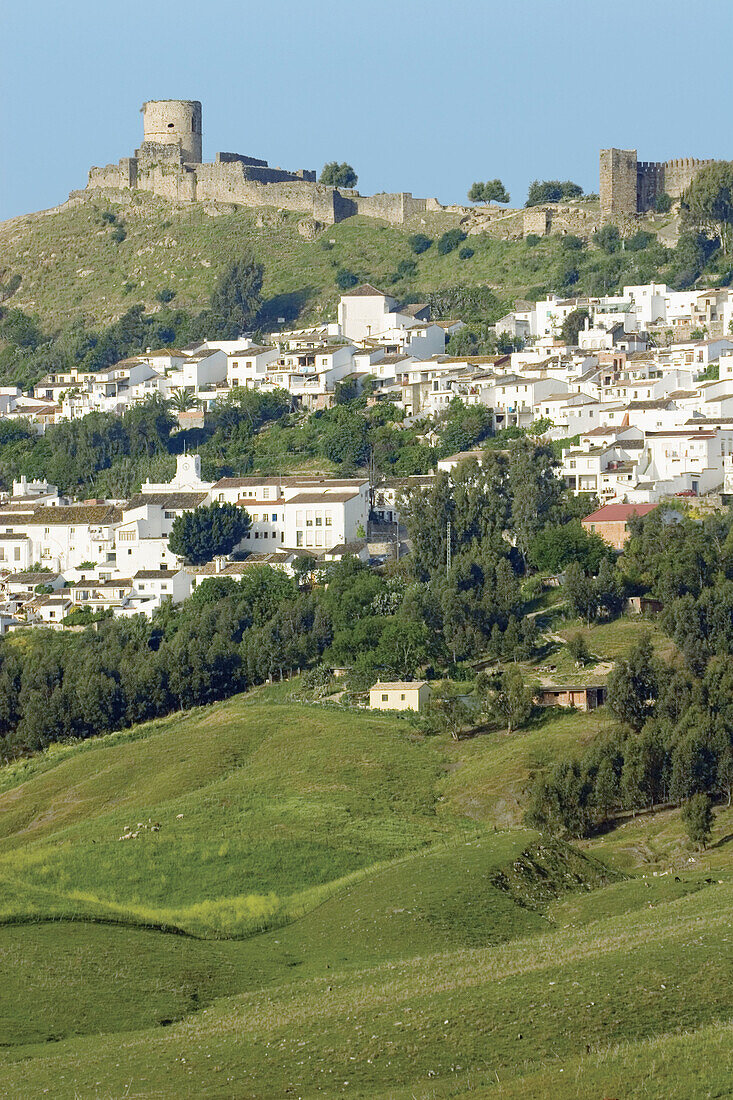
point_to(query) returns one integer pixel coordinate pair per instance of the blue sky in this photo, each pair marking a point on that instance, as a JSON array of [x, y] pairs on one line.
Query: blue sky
[[419, 95]]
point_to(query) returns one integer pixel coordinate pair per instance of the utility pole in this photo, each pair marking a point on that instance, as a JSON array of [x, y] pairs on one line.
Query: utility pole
[[447, 546]]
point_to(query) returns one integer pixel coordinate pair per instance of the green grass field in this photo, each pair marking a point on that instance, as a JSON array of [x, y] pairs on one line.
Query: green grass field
[[71, 267], [335, 906]]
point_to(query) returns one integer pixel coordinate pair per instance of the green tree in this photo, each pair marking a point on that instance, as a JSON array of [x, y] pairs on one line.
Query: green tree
[[606, 788], [577, 647], [573, 323], [548, 191], [505, 697], [334, 174], [662, 203], [182, 400], [304, 566], [236, 298], [208, 531], [697, 816], [608, 238], [708, 202], [633, 685], [404, 646], [447, 713], [491, 191]]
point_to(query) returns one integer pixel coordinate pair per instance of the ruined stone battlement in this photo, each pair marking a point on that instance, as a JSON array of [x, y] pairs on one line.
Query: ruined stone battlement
[[168, 164], [629, 186]]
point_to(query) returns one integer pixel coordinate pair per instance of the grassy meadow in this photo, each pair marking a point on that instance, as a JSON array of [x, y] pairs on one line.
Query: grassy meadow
[[333, 905]]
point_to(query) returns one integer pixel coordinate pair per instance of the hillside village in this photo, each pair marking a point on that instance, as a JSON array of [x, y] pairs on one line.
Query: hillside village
[[366, 553], [641, 403]]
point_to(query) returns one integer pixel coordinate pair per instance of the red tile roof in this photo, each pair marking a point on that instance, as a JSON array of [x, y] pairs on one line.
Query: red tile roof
[[617, 513]]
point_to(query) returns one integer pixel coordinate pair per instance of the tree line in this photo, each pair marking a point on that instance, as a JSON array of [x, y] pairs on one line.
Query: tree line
[[674, 739]]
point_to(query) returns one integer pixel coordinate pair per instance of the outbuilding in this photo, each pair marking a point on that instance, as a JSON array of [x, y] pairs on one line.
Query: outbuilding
[[400, 695]]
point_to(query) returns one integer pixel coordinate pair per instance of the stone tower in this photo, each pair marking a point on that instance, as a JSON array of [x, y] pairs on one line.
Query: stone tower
[[174, 122], [618, 183]]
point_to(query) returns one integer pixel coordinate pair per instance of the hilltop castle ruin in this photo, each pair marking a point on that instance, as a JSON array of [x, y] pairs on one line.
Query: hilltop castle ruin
[[168, 163], [629, 186]]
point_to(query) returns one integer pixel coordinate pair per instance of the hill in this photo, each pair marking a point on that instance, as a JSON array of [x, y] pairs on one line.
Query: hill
[[328, 908], [73, 266]]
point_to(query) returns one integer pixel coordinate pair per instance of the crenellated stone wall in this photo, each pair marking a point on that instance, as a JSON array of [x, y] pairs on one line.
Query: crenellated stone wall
[[629, 186], [168, 164]]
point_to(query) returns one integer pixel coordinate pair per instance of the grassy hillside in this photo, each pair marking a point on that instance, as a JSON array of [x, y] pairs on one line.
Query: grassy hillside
[[71, 265], [396, 944]]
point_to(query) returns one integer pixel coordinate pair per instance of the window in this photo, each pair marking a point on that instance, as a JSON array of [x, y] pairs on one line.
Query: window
[[274, 517], [169, 515], [319, 521], [221, 497], [385, 697], [402, 697], [16, 553], [298, 538], [309, 519], [328, 517], [257, 534], [265, 494]]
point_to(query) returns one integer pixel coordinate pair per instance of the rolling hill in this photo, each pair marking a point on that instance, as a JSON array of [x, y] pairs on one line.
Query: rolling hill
[[72, 266], [319, 902]]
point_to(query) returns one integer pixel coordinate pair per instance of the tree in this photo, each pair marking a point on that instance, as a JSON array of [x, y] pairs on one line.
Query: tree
[[547, 191], [505, 696], [608, 238], [572, 325], [697, 816], [605, 788], [404, 646], [334, 174], [208, 531], [662, 203], [491, 191], [556, 545], [447, 713], [708, 202], [181, 400], [304, 567], [580, 592], [577, 647], [236, 299], [633, 685]]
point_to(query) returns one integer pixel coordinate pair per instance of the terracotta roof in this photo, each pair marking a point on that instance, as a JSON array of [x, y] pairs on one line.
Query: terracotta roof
[[165, 500], [322, 498], [103, 514], [616, 513], [398, 685], [366, 290], [155, 574]]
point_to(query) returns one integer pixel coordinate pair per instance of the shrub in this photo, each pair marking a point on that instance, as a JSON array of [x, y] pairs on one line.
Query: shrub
[[406, 268], [465, 253], [419, 243], [165, 295], [119, 234], [345, 279], [532, 239], [608, 238], [571, 243], [663, 203], [450, 240]]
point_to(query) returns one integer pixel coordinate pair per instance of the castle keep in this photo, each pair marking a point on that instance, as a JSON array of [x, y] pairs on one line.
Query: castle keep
[[629, 186], [168, 164]]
